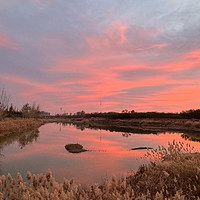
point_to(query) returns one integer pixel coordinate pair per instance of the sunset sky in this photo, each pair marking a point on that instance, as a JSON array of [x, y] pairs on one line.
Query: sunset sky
[[133, 54]]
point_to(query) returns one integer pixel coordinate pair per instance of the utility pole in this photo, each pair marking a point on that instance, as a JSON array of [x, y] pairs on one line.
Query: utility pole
[[100, 135], [100, 106]]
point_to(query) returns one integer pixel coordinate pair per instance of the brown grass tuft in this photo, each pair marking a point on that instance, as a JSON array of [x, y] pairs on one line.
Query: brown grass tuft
[[18, 125]]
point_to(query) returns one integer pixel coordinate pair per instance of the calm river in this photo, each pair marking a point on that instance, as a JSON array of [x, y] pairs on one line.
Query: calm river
[[109, 153]]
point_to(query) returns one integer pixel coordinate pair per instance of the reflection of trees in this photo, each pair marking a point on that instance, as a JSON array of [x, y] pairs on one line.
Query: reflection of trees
[[126, 134], [1, 156], [80, 127], [22, 138], [191, 136], [77, 125], [28, 138], [126, 131]]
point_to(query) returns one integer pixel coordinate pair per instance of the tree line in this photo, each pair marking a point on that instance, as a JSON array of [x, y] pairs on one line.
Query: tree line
[[8, 110], [125, 114], [33, 111]]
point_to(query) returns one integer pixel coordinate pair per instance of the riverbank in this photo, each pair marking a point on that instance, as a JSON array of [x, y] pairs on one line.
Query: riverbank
[[175, 176], [144, 125], [10, 126]]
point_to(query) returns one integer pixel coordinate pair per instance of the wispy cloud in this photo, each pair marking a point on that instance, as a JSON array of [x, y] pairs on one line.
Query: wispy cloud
[[72, 54], [7, 42]]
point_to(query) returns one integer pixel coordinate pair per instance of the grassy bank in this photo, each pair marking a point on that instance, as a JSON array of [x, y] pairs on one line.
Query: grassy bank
[[19, 125], [189, 127], [175, 175]]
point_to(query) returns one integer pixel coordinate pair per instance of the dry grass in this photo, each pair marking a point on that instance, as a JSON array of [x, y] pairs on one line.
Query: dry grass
[[175, 175], [197, 124], [157, 124], [18, 125], [176, 171]]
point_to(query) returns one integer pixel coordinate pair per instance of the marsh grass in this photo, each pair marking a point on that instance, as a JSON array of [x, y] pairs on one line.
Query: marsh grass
[[174, 173], [13, 126]]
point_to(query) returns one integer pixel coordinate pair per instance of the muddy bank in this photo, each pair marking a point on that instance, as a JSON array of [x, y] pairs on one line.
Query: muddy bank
[[11, 126], [130, 125]]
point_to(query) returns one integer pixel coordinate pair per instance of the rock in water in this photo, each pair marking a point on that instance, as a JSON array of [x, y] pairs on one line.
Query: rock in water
[[75, 148], [141, 148]]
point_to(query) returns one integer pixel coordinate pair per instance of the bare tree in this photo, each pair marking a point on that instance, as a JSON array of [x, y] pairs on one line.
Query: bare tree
[[35, 110], [26, 110], [4, 103], [30, 111]]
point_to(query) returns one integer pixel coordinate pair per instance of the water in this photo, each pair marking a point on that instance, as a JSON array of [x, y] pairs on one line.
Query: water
[[109, 152]]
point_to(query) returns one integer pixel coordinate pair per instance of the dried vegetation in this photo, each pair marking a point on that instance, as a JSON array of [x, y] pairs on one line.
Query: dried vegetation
[[175, 175], [18, 125]]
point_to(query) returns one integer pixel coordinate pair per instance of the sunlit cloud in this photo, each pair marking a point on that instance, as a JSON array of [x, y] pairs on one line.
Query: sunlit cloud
[[108, 52], [7, 42]]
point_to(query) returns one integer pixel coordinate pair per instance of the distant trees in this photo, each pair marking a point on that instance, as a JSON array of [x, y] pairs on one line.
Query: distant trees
[[4, 103], [191, 114], [80, 114], [30, 111], [13, 112], [8, 110], [127, 111]]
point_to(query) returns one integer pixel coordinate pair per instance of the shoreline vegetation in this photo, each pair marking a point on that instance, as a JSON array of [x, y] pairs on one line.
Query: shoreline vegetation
[[190, 128], [145, 125], [174, 174], [158, 124], [15, 126]]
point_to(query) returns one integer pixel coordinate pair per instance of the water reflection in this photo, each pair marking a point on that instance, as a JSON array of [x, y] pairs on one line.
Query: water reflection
[[113, 128], [28, 138], [109, 152], [126, 132], [195, 136], [23, 139]]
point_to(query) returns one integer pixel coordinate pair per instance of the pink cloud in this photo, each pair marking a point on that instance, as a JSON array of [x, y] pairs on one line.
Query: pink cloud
[[178, 98], [28, 82], [116, 32], [184, 62], [31, 91], [193, 56], [63, 64], [120, 39], [154, 46], [101, 83], [7, 42], [101, 71], [113, 35]]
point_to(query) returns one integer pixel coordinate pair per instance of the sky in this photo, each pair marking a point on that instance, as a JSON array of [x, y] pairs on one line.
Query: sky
[[138, 55]]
